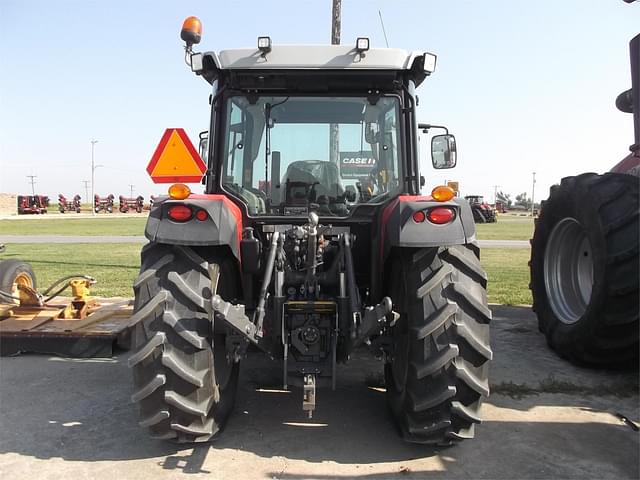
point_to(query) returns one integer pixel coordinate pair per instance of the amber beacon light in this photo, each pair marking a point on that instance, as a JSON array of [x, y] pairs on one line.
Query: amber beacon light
[[179, 191], [442, 193], [191, 31]]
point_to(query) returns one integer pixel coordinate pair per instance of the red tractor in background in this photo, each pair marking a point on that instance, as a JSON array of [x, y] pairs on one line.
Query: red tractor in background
[[584, 255], [103, 203], [32, 204], [127, 204], [482, 211], [65, 205]]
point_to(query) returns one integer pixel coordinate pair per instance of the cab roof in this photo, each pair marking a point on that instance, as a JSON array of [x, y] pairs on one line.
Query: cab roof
[[314, 57]]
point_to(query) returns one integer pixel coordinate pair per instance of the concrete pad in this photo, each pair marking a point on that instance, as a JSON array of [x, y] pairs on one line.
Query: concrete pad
[[72, 418]]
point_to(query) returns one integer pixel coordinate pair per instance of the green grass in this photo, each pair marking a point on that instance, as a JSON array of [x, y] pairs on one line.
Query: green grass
[[115, 266], [99, 225], [508, 274], [506, 228]]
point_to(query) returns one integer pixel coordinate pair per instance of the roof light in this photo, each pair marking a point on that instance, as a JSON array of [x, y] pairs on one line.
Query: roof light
[[264, 44], [179, 191], [362, 44], [191, 31], [443, 193], [430, 62]]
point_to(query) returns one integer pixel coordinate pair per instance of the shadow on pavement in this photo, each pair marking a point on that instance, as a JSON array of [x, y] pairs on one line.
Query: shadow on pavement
[[80, 411]]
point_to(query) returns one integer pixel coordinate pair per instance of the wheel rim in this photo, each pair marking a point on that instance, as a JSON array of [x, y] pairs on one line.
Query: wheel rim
[[23, 279], [568, 271]]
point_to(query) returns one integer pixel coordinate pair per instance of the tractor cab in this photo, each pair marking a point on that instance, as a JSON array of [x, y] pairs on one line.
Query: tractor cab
[[340, 119]]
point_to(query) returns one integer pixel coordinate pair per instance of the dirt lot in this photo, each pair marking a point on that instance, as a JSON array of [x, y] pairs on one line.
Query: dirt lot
[[66, 418], [8, 202]]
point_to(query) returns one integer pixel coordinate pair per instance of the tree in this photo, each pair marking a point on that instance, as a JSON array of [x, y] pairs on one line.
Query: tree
[[523, 201], [504, 198]]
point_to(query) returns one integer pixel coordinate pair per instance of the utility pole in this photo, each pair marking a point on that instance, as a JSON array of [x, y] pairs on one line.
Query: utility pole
[[93, 177], [495, 193], [131, 188], [336, 23], [32, 182], [86, 189], [533, 191]]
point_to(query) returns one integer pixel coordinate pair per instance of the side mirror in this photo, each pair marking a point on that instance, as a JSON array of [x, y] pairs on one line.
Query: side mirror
[[443, 151], [204, 144]]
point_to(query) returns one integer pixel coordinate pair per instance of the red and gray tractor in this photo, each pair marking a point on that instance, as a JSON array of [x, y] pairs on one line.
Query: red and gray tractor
[[311, 240], [585, 270]]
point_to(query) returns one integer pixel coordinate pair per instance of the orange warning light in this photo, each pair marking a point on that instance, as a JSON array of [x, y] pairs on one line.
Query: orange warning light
[[443, 193], [191, 31], [179, 191], [176, 160]]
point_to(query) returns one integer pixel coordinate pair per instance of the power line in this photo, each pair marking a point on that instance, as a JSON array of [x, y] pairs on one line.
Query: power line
[[32, 182], [93, 175], [86, 189], [533, 191]]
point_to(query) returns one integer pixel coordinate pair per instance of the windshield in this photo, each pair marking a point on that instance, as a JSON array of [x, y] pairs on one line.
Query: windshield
[[292, 155]]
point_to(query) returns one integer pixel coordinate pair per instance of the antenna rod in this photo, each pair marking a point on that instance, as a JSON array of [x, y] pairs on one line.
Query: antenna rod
[[383, 30]]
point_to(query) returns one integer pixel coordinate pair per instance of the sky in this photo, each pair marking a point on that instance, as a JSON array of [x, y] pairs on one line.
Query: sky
[[526, 86]]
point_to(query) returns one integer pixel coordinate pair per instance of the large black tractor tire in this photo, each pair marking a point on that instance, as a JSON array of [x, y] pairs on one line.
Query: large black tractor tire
[[438, 373], [478, 216], [12, 273], [585, 271], [184, 383]]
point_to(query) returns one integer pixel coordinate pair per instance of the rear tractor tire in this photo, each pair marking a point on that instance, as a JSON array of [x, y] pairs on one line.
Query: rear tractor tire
[[184, 383], [438, 373], [585, 271]]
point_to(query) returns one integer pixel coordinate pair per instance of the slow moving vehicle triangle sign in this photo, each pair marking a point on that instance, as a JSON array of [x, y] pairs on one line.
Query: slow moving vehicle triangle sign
[[176, 159]]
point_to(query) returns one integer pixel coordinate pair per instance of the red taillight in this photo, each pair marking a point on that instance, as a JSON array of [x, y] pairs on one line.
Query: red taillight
[[418, 216], [179, 213], [202, 215], [441, 215]]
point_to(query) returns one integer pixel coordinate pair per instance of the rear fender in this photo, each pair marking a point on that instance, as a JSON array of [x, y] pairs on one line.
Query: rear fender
[[222, 227], [400, 230]]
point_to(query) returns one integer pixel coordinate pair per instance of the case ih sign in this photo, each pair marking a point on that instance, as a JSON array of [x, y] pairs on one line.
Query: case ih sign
[[175, 159], [356, 164]]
